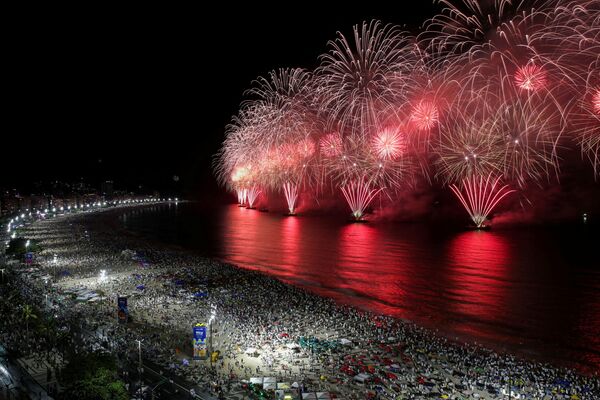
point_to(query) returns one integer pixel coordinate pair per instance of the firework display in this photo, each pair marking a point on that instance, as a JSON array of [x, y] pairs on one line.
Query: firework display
[[483, 100], [479, 196]]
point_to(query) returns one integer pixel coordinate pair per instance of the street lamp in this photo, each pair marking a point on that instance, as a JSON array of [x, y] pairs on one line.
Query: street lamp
[[140, 365], [213, 315]]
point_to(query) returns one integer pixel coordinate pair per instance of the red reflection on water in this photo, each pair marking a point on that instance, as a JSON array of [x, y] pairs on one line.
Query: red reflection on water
[[367, 268], [290, 244], [477, 278], [240, 243]]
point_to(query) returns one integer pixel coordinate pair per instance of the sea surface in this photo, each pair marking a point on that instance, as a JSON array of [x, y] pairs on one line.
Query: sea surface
[[533, 292]]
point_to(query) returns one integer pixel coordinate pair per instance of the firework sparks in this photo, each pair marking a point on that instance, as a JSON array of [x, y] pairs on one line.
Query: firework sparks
[[389, 144], [531, 77], [425, 115], [356, 76], [469, 146], [241, 195], [359, 194], [479, 196], [488, 89], [291, 195], [331, 145], [251, 195]]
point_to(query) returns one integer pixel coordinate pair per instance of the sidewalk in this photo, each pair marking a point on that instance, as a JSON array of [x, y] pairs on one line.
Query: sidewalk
[[38, 370], [19, 381]]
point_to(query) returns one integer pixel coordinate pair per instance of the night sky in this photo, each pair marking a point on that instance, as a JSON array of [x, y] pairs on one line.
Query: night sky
[[139, 97]]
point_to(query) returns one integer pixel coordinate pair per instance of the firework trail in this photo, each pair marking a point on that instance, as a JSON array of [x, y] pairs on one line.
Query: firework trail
[[251, 195], [359, 194], [241, 195], [331, 145], [469, 144], [356, 77], [479, 196], [291, 195]]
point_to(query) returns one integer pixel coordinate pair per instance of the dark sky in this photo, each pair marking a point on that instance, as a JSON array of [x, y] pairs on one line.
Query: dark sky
[[141, 96]]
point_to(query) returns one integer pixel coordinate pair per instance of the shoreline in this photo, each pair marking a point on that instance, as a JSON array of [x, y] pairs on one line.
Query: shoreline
[[411, 337]]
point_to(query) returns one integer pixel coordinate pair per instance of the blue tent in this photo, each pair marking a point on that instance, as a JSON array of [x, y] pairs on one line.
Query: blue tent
[[140, 287], [563, 382], [200, 294]]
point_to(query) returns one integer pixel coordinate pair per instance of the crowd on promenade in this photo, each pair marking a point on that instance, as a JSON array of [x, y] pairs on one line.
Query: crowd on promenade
[[261, 327]]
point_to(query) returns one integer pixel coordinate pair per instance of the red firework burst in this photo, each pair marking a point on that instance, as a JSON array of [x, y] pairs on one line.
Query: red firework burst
[[596, 102], [331, 145], [425, 115], [306, 148], [531, 77], [389, 144]]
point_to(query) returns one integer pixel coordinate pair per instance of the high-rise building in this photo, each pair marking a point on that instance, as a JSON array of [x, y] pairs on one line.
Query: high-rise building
[[106, 188]]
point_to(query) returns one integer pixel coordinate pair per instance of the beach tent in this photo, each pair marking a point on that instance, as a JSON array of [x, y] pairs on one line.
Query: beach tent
[[309, 396], [346, 342], [140, 287], [271, 386], [362, 378], [283, 385], [200, 294], [292, 345], [256, 381], [323, 396], [269, 380]]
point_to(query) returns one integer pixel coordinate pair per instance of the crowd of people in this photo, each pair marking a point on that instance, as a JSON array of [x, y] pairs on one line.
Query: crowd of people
[[261, 326]]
